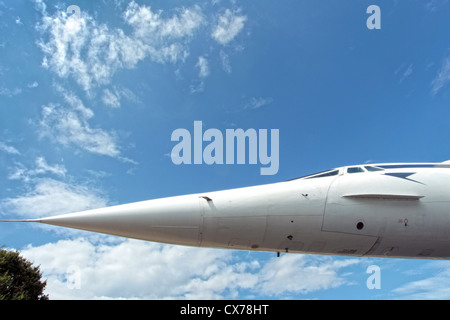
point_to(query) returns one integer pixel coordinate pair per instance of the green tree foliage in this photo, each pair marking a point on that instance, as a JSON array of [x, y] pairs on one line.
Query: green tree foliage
[[19, 279]]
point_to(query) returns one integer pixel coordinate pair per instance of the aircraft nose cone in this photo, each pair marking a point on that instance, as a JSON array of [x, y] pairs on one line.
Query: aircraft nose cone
[[171, 220]]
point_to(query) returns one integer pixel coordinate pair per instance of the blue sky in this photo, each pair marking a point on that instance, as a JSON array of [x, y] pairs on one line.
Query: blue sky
[[88, 105]]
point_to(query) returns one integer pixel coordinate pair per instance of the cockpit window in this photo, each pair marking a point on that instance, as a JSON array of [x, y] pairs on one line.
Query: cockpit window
[[355, 170], [321, 174], [335, 172], [324, 174], [372, 168]]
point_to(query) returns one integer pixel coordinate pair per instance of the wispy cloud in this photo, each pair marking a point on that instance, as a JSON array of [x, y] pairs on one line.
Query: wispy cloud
[[34, 84], [407, 73], [68, 124], [70, 127], [8, 149], [51, 197], [111, 99], [92, 52], [20, 172], [48, 196], [203, 67], [152, 28], [436, 284], [228, 26], [10, 92], [404, 71], [225, 59], [443, 76], [257, 102], [434, 5], [113, 96], [198, 85], [49, 190]]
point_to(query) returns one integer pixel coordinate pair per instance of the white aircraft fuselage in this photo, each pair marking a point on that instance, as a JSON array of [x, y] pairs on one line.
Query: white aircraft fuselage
[[383, 210]]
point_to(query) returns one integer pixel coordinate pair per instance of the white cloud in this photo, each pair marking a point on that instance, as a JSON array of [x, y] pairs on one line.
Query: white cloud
[[293, 274], [90, 52], [40, 6], [203, 67], [34, 84], [442, 77], [41, 167], [151, 27], [48, 190], [62, 53], [228, 26], [8, 149], [435, 286], [110, 99], [226, 65], [116, 268], [50, 197], [406, 73], [435, 5], [198, 85], [69, 126], [10, 92], [128, 270], [256, 103]]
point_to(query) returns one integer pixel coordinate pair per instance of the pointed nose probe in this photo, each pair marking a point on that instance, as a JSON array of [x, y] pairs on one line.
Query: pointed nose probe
[[170, 220]]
